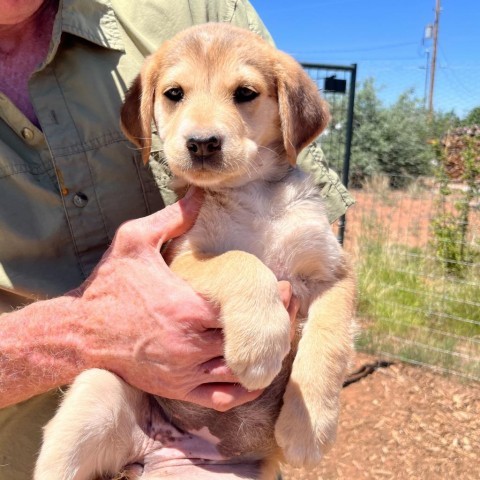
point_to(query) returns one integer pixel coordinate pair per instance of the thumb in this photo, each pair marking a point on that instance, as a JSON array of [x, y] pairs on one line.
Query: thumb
[[156, 229], [174, 220]]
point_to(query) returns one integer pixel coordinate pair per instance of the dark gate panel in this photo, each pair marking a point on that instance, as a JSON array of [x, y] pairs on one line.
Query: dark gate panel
[[337, 84]]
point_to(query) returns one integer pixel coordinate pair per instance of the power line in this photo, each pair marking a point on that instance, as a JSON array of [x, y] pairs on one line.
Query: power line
[[452, 72], [361, 49]]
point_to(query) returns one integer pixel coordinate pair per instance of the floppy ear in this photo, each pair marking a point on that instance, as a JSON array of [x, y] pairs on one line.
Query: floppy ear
[[137, 111], [303, 113]]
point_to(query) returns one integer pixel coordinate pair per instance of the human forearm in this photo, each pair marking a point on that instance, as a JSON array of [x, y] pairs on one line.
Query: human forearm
[[40, 348], [133, 317]]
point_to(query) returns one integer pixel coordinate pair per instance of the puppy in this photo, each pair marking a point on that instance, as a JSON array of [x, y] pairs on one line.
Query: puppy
[[233, 113]]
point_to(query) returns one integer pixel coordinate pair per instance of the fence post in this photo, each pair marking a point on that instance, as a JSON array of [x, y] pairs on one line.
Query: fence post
[[348, 145]]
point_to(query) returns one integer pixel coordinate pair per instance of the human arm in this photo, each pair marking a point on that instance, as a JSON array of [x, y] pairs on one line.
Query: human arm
[[134, 317], [130, 301]]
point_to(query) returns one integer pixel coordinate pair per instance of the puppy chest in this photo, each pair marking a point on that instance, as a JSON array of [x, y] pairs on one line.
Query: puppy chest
[[218, 231], [293, 239]]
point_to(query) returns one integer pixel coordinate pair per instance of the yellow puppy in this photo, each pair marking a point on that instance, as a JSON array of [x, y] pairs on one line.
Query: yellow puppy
[[233, 113]]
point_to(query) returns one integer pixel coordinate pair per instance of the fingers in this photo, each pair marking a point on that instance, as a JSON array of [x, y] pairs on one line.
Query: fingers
[[216, 370], [211, 322], [209, 345], [292, 312], [291, 304], [221, 396], [285, 290]]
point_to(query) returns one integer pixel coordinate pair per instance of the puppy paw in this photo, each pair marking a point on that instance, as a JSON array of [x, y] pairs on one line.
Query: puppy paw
[[305, 432], [255, 351]]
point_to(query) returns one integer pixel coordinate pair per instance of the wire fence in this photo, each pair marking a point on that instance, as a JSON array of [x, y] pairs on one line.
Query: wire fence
[[419, 291], [415, 229]]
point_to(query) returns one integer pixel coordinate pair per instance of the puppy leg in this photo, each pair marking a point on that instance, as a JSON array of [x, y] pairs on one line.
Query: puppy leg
[[307, 423], [256, 324], [93, 431]]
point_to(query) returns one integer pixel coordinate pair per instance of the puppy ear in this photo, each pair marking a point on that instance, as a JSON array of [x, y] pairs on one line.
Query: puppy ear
[[303, 113], [137, 111]]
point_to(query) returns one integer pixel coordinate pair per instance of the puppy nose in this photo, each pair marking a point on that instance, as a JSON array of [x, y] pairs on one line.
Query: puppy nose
[[204, 147]]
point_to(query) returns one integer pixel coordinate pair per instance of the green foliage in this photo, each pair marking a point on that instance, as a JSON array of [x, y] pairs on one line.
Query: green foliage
[[450, 228], [393, 140], [410, 310], [406, 131], [447, 243], [442, 122], [473, 118], [389, 140], [367, 143]]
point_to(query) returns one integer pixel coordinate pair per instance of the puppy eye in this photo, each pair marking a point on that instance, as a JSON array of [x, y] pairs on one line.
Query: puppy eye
[[174, 94], [244, 94]]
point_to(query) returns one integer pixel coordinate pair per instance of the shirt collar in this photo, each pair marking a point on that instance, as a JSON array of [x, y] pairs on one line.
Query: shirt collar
[[93, 20]]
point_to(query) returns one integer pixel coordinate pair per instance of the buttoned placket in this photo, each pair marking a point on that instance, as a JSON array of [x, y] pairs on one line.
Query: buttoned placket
[[69, 159]]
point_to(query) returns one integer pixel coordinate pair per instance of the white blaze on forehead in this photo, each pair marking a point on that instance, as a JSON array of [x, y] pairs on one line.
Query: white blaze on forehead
[[188, 128]]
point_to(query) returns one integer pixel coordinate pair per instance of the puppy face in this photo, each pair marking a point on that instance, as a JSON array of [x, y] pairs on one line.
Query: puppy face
[[228, 107]]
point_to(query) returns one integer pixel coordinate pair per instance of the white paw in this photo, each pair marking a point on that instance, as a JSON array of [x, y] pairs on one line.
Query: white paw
[[305, 434], [256, 351]]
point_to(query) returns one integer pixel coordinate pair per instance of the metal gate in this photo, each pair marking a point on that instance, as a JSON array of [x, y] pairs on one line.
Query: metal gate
[[337, 84]]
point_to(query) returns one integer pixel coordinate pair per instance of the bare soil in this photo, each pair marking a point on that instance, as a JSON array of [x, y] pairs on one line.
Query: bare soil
[[400, 217], [403, 422]]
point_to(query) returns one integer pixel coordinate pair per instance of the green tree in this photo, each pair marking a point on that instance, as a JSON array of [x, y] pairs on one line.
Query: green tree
[[367, 142], [473, 118], [405, 133], [390, 140], [442, 122]]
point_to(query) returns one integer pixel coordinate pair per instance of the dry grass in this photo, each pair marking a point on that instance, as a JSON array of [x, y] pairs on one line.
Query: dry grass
[[408, 305]]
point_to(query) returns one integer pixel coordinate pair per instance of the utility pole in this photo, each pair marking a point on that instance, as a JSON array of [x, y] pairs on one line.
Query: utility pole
[[434, 59]]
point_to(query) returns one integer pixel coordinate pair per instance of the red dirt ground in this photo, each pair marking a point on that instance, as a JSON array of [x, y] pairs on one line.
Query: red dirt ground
[[404, 423], [398, 216]]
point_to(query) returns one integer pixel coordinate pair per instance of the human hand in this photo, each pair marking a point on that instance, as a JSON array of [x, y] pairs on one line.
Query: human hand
[[147, 325]]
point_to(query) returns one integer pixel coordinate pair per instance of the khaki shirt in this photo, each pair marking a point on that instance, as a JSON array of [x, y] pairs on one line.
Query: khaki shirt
[[66, 188]]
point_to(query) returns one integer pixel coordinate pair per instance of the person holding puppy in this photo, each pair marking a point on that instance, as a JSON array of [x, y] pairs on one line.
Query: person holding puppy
[[83, 285]]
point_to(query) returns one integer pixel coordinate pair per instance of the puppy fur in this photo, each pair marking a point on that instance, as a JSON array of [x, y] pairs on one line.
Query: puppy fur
[[233, 113]]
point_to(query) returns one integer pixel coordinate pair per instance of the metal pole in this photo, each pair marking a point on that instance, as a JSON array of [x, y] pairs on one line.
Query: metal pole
[[348, 145], [434, 58], [425, 89]]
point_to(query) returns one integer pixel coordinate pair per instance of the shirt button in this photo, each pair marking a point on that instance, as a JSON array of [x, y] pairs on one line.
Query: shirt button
[[80, 200], [27, 134]]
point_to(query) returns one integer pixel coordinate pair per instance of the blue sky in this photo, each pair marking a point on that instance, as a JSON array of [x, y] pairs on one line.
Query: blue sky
[[385, 39]]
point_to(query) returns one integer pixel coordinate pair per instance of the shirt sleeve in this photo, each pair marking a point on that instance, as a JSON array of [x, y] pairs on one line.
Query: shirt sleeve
[[336, 197], [244, 15]]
